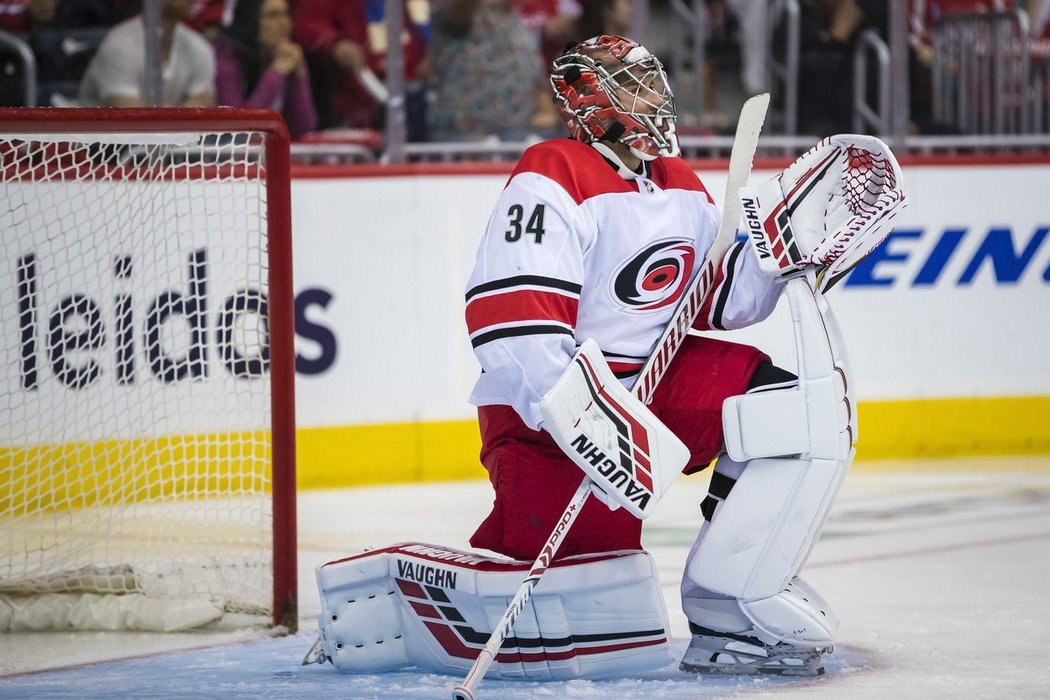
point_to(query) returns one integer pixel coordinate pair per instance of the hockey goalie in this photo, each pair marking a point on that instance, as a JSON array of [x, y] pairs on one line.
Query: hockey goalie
[[588, 257]]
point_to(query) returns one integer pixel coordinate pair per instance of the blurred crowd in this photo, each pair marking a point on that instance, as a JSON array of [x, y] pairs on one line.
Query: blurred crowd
[[473, 69], [831, 28]]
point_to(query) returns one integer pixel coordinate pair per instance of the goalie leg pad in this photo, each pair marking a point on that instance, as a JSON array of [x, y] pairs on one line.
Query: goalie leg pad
[[760, 535], [797, 445], [592, 616], [816, 419]]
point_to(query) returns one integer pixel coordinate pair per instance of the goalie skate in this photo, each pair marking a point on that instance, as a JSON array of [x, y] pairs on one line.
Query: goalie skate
[[711, 651]]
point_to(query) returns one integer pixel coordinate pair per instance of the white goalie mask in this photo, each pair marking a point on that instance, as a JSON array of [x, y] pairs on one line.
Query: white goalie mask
[[611, 88]]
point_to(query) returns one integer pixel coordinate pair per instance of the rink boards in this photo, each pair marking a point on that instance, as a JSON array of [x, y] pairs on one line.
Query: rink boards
[[947, 324]]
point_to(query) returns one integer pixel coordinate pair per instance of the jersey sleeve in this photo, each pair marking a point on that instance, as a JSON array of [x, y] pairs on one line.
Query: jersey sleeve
[[743, 295], [523, 295]]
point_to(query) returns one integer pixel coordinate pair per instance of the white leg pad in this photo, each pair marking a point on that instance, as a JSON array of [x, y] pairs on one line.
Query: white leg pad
[[759, 538], [798, 445], [796, 615], [592, 616]]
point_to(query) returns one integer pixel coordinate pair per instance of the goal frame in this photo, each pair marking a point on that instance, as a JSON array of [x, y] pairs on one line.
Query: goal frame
[[110, 120]]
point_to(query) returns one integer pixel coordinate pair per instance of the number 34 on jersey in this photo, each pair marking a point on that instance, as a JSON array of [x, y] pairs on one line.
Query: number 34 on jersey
[[534, 227]]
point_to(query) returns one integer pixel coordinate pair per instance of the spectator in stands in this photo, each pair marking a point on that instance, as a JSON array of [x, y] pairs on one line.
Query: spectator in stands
[[20, 15], [34, 15], [551, 23], [751, 18], [346, 41], [14, 15], [924, 16], [603, 17], [116, 76], [61, 56], [485, 72], [1039, 28], [258, 65], [209, 16], [828, 30]]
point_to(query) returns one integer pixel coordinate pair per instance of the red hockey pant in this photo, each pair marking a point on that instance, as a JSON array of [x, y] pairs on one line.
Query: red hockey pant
[[534, 480]]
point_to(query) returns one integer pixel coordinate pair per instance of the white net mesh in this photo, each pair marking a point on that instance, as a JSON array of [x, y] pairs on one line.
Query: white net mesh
[[865, 177], [135, 442]]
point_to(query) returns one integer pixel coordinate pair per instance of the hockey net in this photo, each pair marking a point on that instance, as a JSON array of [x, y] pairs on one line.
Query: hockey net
[[147, 413]]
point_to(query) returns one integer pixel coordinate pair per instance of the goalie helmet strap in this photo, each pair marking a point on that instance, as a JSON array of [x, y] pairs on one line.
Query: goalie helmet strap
[[617, 164]]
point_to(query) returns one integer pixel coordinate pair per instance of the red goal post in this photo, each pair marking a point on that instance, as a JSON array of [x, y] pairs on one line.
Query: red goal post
[[148, 451]]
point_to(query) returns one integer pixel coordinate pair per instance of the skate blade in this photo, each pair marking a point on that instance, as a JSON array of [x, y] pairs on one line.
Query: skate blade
[[316, 654], [750, 670]]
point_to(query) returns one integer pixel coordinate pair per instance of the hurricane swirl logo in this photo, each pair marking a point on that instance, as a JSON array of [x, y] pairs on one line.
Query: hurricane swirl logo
[[655, 277]]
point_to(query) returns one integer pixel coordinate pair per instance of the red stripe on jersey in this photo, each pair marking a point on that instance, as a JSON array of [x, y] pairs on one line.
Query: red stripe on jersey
[[703, 319], [522, 305], [579, 169], [620, 367], [675, 174], [583, 173]]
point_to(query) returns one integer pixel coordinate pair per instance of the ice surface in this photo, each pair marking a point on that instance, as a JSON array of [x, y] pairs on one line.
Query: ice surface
[[938, 571]]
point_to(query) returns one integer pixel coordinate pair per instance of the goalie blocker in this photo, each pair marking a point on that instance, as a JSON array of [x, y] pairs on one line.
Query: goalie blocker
[[630, 455], [414, 604]]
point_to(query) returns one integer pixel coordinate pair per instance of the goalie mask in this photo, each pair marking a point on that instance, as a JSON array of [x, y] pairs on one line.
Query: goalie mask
[[610, 88]]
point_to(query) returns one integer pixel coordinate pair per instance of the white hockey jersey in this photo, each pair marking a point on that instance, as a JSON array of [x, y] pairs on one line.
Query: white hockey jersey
[[574, 250]]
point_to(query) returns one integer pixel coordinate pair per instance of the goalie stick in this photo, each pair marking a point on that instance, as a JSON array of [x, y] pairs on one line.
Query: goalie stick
[[745, 143], [748, 127]]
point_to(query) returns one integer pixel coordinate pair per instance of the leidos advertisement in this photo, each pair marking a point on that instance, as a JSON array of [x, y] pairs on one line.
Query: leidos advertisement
[[128, 312], [954, 304]]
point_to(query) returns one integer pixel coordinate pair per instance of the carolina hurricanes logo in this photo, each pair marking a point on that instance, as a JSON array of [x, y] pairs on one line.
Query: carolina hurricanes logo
[[655, 277]]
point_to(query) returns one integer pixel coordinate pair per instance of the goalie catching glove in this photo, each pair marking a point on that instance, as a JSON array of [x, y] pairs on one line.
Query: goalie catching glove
[[828, 209]]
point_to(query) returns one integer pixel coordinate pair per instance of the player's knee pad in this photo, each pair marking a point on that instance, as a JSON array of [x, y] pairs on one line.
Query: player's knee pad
[[591, 616], [797, 444], [816, 419]]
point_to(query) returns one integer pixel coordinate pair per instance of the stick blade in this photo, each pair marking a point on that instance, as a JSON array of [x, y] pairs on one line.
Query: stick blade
[[752, 117], [748, 127]]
